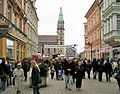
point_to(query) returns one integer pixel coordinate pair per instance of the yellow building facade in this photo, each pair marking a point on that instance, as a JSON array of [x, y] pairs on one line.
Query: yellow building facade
[[13, 23]]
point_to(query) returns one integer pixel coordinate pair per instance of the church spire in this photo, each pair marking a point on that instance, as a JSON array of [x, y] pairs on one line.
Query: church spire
[[61, 15]]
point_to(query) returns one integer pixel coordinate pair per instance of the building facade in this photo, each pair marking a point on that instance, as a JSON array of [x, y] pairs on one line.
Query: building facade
[[110, 31], [13, 33], [53, 39], [47, 40], [31, 29], [92, 31]]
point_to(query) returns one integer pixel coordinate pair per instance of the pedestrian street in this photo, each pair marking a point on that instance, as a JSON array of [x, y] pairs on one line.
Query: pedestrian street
[[89, 86]]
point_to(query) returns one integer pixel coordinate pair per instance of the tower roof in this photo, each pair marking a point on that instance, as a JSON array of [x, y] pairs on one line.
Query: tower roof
[[61, 15]]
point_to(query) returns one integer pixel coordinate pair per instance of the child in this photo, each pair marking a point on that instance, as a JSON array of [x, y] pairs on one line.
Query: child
[[52, 72]]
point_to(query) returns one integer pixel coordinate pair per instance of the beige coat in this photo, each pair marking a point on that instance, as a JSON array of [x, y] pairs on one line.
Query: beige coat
[[19, 75]]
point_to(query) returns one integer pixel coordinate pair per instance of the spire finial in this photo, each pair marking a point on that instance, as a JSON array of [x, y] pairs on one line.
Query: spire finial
[[60, 8], [60, 15]]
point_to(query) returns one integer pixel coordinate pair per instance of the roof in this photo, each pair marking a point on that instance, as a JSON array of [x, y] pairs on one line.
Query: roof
[[48, 38]]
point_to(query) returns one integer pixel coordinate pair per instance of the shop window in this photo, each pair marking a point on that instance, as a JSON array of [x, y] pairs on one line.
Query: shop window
[[10, 48]]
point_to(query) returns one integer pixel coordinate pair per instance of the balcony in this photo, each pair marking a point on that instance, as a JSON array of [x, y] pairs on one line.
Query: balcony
[[113, 8], [112, 38]]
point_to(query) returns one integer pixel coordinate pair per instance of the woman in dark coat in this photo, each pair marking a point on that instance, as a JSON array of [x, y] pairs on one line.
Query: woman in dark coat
[[35, 77], [79, 74], [100, 70], [88, 68]]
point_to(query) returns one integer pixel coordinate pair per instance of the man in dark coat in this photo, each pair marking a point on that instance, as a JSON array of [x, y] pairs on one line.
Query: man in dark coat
[[68, 71], [100, 70], [108, 70], [4, 74], [95, 68]]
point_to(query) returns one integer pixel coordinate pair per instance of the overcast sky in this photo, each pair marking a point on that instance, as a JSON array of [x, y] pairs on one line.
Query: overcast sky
[[73, 14]]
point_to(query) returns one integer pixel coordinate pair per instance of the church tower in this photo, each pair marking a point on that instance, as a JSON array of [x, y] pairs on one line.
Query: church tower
[[60, 31]]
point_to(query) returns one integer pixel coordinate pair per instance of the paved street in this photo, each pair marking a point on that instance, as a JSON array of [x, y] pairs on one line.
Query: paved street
[[57, 87]]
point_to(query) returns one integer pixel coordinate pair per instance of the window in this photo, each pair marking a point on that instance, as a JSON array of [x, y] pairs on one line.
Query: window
[[0, 6], [117, 0], [109, 25], [48, 50], [9, 11], [118, 21], [24, 27], [54, 50], [10, 48], [15, 18], [20, 23]]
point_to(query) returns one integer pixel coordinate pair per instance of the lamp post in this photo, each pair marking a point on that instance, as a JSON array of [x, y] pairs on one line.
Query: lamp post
[[42, 50]]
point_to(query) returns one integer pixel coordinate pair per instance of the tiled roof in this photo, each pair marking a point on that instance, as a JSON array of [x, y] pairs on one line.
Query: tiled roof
[[48, 38]]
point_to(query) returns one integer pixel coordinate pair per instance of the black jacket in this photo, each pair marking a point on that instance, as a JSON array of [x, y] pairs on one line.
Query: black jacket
[[67, 66], [35, 76]]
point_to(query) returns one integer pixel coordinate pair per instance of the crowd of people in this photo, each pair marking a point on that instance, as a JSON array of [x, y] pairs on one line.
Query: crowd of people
[[14, 73], [72, 70]]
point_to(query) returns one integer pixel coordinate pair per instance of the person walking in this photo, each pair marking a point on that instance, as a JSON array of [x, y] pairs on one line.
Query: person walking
[[52, 70], [108, 70], [4, 74], [117, 77], [95, 68], [25, 68], [100, 70], [36, 81], [88, 68], [68, 71], [18, 74], [79, 74]]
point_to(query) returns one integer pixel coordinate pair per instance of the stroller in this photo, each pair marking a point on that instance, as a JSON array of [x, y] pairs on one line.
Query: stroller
[[60, 72]]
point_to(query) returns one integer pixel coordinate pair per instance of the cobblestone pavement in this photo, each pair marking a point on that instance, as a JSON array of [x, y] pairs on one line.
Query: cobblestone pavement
[[89, 86]]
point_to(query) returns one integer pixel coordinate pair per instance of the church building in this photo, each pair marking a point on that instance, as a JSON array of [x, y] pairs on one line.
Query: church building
[[53, 39]]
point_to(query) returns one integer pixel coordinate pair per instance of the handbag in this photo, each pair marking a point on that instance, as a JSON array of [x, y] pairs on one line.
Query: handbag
[[117, 76], [4, 77], [13, 81]]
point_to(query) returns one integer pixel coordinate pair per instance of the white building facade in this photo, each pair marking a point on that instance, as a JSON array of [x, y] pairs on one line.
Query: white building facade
[[110, 28]]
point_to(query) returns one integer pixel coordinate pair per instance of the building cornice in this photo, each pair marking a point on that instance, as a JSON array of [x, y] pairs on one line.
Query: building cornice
[[96, 3], [33, 8]]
